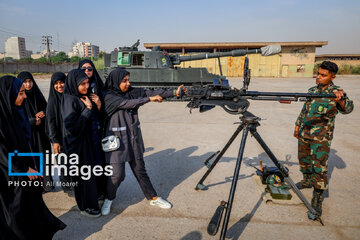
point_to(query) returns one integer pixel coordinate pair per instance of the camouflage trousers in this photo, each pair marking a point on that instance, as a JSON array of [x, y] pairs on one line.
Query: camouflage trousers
[[313, 159]]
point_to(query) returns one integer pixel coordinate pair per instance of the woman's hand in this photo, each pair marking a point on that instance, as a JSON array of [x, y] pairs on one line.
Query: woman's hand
[[30, 170], [87, 102], [95, 98], [40, 114], [38, 121], [156, 98]]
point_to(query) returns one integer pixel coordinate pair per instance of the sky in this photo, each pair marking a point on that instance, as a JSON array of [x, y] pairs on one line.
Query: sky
[[110, 24]]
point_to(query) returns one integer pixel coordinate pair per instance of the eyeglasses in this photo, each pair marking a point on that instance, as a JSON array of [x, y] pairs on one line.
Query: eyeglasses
[[88, 68]]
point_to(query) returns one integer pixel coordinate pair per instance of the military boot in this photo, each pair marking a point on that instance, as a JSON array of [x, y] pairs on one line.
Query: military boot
[[305, 183], [316, 203]]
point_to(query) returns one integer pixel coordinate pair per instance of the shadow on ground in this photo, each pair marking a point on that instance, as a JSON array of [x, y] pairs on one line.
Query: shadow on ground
[[167, 169]]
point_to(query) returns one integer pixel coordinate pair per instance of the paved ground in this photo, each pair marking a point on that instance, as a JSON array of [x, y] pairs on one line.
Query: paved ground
[[177, 143]]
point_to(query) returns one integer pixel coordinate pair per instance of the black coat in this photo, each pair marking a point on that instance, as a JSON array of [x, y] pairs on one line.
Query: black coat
[[34, 103], [53, 126], [81, 135], [23, 213], [122, 120]]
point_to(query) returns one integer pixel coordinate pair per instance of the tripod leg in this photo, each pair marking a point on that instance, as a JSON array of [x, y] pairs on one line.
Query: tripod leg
[[233, 184], [284, 172], [200, 185]]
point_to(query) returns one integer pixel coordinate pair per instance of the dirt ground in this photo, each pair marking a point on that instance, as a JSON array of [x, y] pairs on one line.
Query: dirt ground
[[177, 143]]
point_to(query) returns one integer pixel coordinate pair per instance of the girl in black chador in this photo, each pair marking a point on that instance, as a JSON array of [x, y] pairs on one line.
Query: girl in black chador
[[122, 102], [81, 135], [35, 109], [53, 124], [23, 213], [95, 82]]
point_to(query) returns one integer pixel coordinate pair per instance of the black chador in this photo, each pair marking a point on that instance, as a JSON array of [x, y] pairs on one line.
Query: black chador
[[53, 114], [122, 120], [23, 213], [53, 124], [35, 103], [81, 135], [96, 84]]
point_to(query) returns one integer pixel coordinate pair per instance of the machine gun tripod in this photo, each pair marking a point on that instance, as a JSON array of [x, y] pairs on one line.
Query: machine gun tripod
[[249, 123]]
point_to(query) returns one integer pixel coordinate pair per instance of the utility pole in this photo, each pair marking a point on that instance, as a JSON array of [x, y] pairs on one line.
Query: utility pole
[[47, 41]]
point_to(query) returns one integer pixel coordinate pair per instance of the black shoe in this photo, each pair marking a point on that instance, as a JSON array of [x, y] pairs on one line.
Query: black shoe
[[316, 201], [90, 212], [101, 199], [48, 188], [67, 189], [304, 184]]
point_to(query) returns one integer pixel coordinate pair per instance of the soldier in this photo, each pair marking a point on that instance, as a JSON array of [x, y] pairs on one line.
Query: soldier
[[314, 129]]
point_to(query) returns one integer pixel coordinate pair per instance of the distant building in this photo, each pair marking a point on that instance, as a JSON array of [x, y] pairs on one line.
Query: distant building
[[91, 50], [339, 59], [43, 53], [297, 59], [15, 48], [84, 49]]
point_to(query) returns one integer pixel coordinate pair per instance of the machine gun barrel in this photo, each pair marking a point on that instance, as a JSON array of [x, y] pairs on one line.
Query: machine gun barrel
[[265, 51], [235, 101], [284, 96]]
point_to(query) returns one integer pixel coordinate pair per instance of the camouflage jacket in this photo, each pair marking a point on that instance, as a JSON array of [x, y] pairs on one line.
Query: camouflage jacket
[[317, 117]]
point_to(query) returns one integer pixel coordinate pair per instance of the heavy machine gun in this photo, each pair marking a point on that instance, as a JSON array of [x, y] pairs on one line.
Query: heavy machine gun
[[236, 101]]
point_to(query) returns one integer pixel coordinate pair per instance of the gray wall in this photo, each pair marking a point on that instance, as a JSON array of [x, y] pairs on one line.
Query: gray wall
[[36, 68]]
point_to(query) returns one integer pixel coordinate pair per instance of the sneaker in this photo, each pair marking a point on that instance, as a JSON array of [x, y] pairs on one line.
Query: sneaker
[[161, 203], [90, 212], [105, 210]]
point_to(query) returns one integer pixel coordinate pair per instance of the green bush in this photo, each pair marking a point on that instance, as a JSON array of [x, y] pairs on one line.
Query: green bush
[[343, 69], [349, 69]]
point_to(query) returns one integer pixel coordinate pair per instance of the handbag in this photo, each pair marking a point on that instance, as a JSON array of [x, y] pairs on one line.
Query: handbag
[[110, 143]]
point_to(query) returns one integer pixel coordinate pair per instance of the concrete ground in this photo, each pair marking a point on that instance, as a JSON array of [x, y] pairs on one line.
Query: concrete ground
[[177, 143]]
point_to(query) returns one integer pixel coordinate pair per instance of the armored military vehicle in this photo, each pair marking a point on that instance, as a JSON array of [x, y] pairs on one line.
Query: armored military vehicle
[[156, 68]]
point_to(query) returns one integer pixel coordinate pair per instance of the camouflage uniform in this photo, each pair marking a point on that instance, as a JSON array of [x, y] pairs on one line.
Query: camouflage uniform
[[317, 122]]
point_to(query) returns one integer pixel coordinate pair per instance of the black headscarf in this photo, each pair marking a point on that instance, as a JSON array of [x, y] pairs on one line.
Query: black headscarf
[[33, 104], [13, 125], [35, 101], [96, 84], [22, 209], [74, 78], [114, 95], [53, 126]]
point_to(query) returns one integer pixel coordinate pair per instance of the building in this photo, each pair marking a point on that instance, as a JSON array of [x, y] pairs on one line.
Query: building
[[82, 49], [91, 50], [339, 59], [43, 53], [296, 60], [15, 48]]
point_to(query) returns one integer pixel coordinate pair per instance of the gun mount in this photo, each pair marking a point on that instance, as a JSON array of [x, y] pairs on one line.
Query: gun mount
[[236, 101], [157, 68]]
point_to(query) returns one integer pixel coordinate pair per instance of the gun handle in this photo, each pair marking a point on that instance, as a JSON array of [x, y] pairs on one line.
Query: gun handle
[[285, 101], [214, 223]]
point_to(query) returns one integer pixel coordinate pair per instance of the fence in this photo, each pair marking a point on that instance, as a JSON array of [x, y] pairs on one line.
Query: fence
[[36, 68]]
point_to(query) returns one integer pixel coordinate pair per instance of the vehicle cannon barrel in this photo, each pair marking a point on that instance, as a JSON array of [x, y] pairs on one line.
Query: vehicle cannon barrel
[[265, 51]]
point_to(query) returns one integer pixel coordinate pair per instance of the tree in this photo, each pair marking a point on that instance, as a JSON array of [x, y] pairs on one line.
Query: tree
[[75, 59], [101, 54], [60, 58]]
